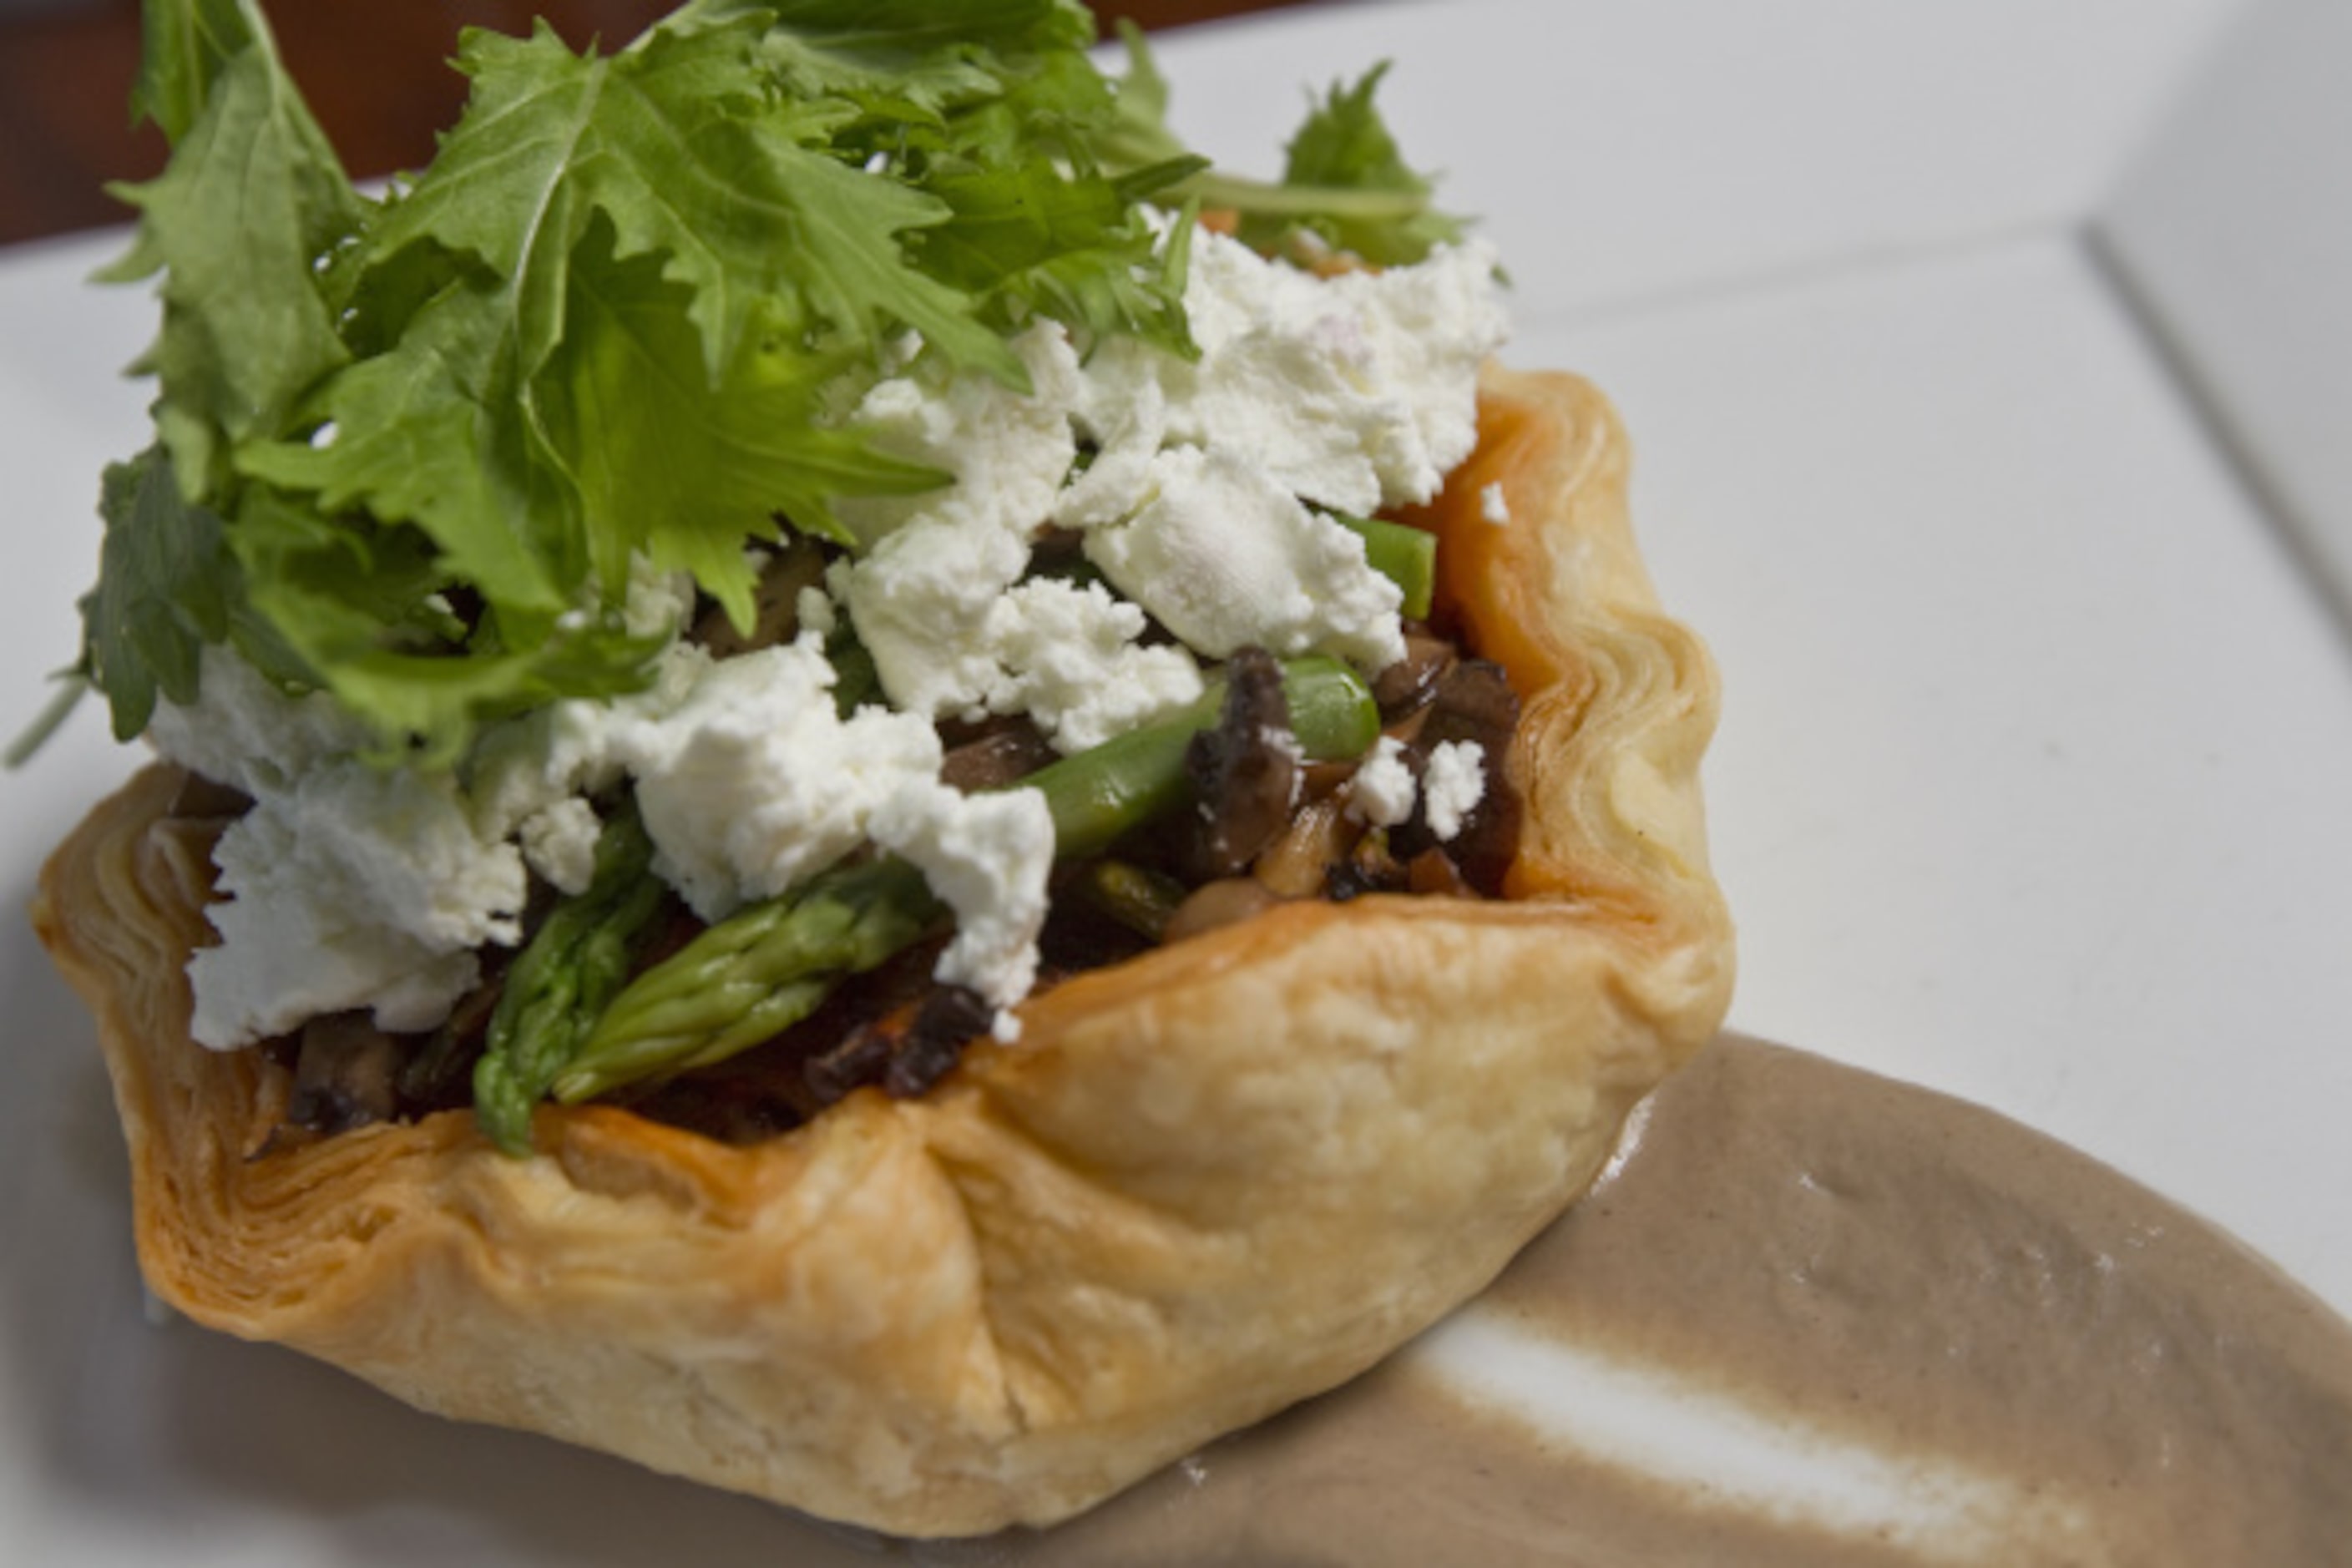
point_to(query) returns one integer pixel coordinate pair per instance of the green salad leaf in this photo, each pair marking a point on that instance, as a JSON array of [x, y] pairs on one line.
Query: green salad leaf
[[1346, 147], [236, 224], [166, 581], [412, 450], [1345, 182]]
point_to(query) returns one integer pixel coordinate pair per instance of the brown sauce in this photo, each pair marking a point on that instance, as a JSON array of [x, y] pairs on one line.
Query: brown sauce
[[2060, 1367]]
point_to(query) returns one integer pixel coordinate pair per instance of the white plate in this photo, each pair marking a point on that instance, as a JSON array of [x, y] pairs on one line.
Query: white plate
[[2032, 780]]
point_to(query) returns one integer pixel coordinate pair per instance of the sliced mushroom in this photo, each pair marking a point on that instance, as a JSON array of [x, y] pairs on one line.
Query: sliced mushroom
[[1432, 874], [345, 1075], [1299, 862], [1410, 683], [438, 1075], [1224, 903], [861, 1057], [948, 1018], [1473, 702], [1245, 769], [1003, 754]]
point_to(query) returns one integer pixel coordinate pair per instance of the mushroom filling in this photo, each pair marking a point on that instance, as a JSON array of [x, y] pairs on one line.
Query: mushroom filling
[[1255, 823]]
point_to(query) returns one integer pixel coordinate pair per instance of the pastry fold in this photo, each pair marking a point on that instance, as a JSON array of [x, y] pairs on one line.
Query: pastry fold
[[1204, 1184]]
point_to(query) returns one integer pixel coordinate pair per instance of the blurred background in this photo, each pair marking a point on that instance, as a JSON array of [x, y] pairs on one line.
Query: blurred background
[[377, 76]]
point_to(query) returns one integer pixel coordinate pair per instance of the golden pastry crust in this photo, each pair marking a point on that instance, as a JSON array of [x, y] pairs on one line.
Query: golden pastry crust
[[1204, 1184]]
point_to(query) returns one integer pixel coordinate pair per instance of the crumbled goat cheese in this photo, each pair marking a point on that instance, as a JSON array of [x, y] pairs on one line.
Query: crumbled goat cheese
[[1070, 658], [532, 763], [1223, 556], [920, 602], [1007, 451], [1493, 505], [987, 856], [559, 842], [1352, 392], [754, 783], [1453, 784], [356, 887], [934, 563], [1384, 790], [345, 886], [243, 730], [813, 610]]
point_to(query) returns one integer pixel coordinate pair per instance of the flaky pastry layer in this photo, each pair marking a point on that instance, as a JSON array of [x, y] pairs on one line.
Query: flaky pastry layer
[[1205, 1184]]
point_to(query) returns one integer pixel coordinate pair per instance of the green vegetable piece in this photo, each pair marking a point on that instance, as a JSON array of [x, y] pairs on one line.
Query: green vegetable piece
[[183, 44], [1342, 154], [240, 221], [1404, 554], [1105, 791], [1345, 179], [856, 678], [165, 584], [1141, 899], [752, 975], [563, 981]]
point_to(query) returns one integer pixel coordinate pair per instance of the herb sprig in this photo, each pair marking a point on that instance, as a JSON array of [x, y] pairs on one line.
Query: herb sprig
[[408, 448]]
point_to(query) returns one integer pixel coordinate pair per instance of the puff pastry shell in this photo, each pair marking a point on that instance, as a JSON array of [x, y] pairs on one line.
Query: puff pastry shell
[[1204, 1183]]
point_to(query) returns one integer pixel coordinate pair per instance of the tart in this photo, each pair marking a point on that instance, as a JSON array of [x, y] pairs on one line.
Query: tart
[[1203, 1183]]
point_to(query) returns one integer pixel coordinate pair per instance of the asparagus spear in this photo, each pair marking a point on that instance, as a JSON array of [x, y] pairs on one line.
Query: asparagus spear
[[771, 964], [562, 980], [1403, 553], [752, 975], [1130, 779]]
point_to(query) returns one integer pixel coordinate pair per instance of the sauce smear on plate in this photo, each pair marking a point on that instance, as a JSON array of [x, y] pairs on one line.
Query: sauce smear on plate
[[1808, 1317]]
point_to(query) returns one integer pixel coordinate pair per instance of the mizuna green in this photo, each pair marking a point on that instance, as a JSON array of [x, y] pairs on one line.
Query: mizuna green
[[409, 446]]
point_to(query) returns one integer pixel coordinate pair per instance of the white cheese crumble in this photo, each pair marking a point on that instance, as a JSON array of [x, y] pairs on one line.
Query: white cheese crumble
[[1225, 557], [1453, 784], [559, 842], [1070, 658], [1494, 505], [1384, 790], [530, 766], [987, 857], [243, 730], [935, 564], [345, 885], [1351, 393], [813, 611], [357, 887], [752, 784]]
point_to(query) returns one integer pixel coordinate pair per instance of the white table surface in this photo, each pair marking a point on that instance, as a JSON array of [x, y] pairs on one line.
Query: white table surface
[[2034, 775]]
